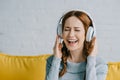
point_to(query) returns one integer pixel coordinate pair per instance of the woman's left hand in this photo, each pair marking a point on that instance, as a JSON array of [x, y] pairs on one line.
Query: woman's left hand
[[92, 50]]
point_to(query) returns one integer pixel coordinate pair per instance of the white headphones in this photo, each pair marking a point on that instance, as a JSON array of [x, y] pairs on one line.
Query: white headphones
[[90, 33]]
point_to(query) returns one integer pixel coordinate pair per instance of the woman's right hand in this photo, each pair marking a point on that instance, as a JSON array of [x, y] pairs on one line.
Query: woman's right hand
[[57, 48]]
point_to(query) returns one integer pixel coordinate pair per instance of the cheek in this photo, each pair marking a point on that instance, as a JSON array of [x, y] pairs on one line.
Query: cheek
[[82, 36], [64, 35], [64, 39]]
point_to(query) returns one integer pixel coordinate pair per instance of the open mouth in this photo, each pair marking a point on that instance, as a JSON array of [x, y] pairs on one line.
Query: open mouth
[[72, 42]]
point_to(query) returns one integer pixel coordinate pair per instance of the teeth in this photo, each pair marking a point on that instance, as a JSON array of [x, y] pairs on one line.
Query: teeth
[[72, 41]]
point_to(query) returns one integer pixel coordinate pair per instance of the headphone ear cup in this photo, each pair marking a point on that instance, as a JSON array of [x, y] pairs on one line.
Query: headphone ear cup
[[59, 30], [89, 34]]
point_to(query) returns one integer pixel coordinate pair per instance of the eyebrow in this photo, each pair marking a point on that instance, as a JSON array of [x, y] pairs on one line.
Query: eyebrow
[[74, 27]]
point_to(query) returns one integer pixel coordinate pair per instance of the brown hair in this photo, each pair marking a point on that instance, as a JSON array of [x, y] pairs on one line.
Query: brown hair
[[82, 16]]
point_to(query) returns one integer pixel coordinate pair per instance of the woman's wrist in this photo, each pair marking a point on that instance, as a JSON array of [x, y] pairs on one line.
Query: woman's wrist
[[91, 60]]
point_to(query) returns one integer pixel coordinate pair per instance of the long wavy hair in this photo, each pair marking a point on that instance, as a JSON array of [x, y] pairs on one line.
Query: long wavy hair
[[86, 20]]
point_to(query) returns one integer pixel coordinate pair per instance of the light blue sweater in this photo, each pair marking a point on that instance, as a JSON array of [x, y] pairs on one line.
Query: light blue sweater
[[94, 69]]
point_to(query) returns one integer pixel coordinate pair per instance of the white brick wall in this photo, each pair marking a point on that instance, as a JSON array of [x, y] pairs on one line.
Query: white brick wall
[[28, 27]]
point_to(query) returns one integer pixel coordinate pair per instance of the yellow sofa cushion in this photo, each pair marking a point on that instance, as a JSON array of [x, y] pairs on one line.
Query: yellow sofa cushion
[[33, 68], [113, 71], [22, 67]]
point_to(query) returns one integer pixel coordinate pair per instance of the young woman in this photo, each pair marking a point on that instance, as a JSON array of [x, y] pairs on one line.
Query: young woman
[[75, 58]]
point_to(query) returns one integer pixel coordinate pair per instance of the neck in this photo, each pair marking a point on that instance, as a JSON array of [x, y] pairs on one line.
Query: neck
[[76, 56]]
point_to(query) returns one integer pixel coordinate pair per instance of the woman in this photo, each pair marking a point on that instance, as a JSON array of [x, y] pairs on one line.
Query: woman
[[75, 58]]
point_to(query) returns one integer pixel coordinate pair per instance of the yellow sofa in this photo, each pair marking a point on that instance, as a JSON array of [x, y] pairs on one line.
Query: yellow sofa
[[33, 68]]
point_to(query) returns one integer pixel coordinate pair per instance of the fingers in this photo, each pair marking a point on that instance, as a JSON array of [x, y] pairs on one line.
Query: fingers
[[57, 43], [92, 45], [57, 40], [93, 41]]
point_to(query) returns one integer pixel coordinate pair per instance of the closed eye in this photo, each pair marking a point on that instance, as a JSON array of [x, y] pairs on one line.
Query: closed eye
[[77, 30], [67, 30]]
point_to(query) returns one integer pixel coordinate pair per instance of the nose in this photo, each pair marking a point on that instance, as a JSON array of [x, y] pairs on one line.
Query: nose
[[71, 33]]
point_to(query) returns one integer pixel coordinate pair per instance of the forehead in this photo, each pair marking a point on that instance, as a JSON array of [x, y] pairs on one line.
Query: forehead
[[73, 22]]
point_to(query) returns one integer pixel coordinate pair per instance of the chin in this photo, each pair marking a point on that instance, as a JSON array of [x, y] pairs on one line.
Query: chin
[[72, 48]]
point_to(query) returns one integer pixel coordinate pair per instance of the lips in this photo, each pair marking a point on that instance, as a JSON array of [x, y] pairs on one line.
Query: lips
[[72, 42]]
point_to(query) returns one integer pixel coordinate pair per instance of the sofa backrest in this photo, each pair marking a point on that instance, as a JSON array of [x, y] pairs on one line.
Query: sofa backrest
[[33, 68], [22, 67]]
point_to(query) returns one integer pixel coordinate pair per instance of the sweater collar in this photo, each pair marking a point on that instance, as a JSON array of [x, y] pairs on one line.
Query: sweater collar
[[76, 67]]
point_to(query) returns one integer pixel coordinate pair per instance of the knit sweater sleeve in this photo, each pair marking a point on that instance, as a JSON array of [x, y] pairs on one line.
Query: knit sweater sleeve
[[96, 69], [52, 68]]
